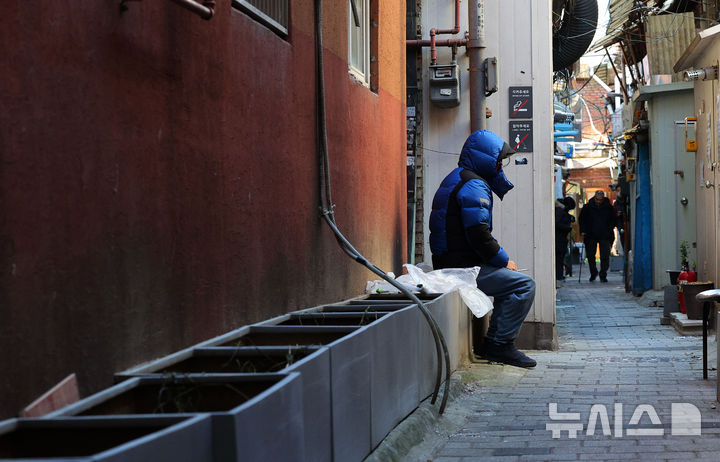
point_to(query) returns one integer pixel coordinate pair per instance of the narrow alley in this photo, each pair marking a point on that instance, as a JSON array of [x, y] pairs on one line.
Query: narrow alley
[[613, 351]]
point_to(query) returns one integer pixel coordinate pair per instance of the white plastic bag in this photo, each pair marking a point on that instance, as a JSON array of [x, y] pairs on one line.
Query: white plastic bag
[[381, 286], [441, 281]]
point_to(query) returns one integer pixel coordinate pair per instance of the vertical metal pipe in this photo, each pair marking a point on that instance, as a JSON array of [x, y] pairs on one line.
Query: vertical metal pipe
[[706, 314], [453, 31], [475, 50]]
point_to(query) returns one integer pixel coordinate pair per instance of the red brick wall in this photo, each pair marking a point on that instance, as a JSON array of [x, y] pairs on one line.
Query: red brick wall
[[594, 96], [592, 179]]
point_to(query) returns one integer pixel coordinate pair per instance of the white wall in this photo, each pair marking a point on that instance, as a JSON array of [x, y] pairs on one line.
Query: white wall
[[707, 198], [518, 33]]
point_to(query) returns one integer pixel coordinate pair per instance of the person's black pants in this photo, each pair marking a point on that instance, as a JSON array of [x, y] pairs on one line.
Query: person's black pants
[[561, 245], [590, 248]]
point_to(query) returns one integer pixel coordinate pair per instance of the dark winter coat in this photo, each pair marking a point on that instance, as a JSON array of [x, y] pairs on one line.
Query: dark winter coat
[[461, 217], [563, 221], [597, 222]]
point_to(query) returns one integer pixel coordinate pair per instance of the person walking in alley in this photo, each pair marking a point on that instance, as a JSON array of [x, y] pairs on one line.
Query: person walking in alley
[[461, 237], [563, 226], [597, 222]]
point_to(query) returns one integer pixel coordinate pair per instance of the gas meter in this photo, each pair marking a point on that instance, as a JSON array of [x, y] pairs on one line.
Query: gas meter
[[444, 85]]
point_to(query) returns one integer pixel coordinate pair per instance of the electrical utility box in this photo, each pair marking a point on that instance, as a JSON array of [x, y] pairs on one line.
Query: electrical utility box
[[444, 85]]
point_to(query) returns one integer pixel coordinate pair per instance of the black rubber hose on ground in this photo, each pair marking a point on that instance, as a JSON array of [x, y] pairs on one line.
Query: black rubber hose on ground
[[328, 215], [573, 38]]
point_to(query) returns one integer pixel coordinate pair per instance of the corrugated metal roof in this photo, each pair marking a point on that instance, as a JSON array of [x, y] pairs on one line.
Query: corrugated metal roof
[[621, 19], [627, 19], [667, 37]]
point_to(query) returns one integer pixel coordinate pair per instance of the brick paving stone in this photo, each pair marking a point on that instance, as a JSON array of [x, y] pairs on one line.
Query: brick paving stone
[[495, 459], [680, 455], [611, 350]]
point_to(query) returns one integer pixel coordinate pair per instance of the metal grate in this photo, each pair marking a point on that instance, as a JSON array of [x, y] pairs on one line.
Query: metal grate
[[272, 13]]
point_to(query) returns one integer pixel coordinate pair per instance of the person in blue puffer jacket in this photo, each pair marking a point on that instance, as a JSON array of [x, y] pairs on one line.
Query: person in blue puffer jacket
[[461, 237]]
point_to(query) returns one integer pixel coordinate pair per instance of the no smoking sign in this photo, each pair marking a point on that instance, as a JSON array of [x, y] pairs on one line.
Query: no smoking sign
[[521, 103]]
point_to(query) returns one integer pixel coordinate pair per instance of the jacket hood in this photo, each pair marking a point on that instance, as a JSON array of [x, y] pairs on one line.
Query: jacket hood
[[569, 202], [480, 154]]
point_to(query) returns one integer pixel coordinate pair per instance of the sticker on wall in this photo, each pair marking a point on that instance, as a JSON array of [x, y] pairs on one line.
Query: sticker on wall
[[520, 102], [717, 119], [708, 137], [521, 139]]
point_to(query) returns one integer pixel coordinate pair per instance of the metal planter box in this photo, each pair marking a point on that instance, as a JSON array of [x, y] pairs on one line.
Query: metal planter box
[[453, 318], [272, 335], [365, 307], [345, 409], [403, 357], [394, 389], [254, 416], [351, 359], [313, 363], [348, 398], [108, 439], [325, 318], [350, 372]]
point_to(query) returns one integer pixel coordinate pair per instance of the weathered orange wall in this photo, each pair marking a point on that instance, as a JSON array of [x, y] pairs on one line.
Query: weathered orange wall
[[159, 179]]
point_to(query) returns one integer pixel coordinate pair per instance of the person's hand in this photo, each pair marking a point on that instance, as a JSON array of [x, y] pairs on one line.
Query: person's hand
[[488, 113], [511, 265]]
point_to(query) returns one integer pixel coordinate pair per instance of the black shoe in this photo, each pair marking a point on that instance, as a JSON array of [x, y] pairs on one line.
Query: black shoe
[[560, 279], [593, 277], [603, 279], [480, 351], [506, 353]]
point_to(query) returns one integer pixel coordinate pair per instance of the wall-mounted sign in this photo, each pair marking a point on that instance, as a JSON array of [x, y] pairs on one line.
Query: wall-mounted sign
[[520, 102], [521, 137]]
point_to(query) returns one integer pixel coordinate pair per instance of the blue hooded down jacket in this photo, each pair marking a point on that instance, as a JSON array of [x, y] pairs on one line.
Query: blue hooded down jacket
[[461, 217]]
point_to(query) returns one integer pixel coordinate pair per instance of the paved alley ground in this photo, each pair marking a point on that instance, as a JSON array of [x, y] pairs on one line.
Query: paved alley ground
[[614, 356]]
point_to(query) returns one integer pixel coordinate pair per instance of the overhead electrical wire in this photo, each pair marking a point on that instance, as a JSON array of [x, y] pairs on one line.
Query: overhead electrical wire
[[642, 38]]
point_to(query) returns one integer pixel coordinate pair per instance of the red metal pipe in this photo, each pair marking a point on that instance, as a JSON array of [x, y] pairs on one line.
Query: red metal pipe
[[205, 10], [433, 49], [433, 32], [440, 43], [454, 30]]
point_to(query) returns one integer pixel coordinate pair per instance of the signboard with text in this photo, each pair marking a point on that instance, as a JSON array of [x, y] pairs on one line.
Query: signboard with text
[[521, 102], [521, 137]]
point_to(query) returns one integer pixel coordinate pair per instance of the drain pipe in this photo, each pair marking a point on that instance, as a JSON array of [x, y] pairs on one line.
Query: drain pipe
[[328, 214], [475, 51], [205, 10]]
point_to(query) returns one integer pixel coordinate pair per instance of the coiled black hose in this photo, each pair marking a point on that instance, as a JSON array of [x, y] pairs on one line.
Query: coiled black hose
[[573, 38], [328, 214]]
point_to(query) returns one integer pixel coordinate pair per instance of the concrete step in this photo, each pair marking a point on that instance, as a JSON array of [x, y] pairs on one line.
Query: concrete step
[[686, 326]]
